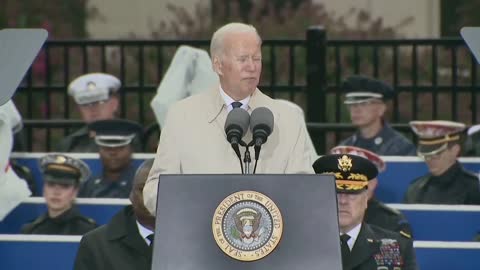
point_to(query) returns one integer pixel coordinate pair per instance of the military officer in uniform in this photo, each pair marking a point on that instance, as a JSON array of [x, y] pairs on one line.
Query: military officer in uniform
[[96, 97], [62, 176], [366, 100], [440, 143], [114, 138], [363, 246], [378, 213]]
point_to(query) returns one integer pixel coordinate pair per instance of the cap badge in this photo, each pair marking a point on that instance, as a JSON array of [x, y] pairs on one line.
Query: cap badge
[[60, 159], [344, 163], [91, 86]]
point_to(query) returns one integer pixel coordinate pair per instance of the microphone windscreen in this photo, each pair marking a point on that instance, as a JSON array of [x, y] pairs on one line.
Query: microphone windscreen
[[262, 117], [239, 118]]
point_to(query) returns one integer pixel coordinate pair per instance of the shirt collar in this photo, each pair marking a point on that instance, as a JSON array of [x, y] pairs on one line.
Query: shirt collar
[[353, 233], [144, 232], [228, 100]]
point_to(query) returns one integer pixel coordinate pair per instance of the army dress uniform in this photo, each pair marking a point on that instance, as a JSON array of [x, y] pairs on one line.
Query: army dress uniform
[[388, 218], [372, 247], [456, 185], [63, 170], [71, 222], [377, 212], [388, 142]]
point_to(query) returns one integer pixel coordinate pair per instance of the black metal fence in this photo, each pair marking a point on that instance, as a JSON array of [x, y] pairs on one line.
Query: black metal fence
[[435, 79]]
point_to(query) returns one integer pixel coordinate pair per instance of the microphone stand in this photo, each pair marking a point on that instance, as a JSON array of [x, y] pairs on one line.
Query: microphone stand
[[246, 159]]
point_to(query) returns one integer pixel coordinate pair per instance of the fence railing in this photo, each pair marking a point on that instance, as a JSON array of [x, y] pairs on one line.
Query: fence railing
[[434, 78]]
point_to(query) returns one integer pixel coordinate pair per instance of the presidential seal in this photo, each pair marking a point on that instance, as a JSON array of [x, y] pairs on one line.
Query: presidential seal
[[247, 225]]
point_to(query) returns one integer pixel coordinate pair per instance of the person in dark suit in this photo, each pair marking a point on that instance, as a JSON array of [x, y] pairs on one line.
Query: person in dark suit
[[363, 246], [378, 213], [62, 176], [440, 144], [126, 241], [114, 138], [366, 100]]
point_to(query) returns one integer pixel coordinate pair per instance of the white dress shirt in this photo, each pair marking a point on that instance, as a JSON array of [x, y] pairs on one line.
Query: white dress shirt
[[229, 100], [144, 232], [353, 233]]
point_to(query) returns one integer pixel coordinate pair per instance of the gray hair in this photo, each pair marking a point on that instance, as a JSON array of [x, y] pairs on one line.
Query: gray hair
[[217, 42]]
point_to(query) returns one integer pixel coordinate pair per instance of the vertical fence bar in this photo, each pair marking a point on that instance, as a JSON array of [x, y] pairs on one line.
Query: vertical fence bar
[[338, 93], [396, 109], [66, 80], [123, 101], [375, 62], [435, 81], [48, 101], [291, 70], [141, 83], [273, 73], [453, 89], [414, 75], [316, 81], [473, 85]]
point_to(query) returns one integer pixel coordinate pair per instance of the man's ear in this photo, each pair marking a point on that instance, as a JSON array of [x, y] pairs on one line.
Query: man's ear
[[217, 65]]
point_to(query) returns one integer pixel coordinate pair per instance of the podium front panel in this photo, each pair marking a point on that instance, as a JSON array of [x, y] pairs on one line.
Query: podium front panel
[[186, 213]]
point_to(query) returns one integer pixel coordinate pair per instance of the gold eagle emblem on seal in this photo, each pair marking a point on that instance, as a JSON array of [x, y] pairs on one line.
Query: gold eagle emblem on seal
[[247, 225]]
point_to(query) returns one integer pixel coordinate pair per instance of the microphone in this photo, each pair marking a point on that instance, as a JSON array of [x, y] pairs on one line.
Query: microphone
[[236, 125], [261, 124]]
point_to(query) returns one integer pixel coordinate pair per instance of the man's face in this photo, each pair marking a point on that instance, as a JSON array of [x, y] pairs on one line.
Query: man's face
[[115, 159], [240, 65], [441, 162], [365, 113], [59, 197], [351, 209], [99, 110], [136, 196]]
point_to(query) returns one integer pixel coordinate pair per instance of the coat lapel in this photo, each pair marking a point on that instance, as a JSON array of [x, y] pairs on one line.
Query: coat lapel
[[126, 231], [365, 247]]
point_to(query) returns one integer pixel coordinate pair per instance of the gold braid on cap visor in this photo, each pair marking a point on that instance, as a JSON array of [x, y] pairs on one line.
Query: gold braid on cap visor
[[355, 181], [63, 168], [445, 139]]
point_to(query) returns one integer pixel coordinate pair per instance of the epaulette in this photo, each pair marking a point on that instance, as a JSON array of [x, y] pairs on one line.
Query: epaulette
[[390, 210], [405, 234], [87, 219]]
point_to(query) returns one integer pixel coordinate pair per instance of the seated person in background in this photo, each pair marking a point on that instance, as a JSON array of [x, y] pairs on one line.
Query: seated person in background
[[114, 138], [126, 241], [363, 246], [366, 100], [96, 97], [472, 142], [440, 143], [377, 212], [62, 176]]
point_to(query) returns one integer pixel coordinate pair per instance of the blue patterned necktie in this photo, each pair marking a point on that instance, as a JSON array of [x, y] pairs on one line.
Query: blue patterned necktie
[[236, 104]]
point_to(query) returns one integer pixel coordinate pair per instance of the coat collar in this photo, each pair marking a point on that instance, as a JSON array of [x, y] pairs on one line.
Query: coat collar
[[365, 247], [218, 109], [123, 228]]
